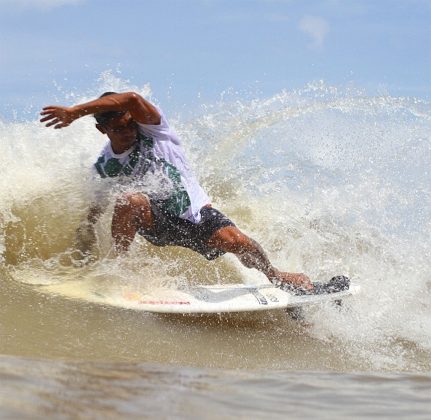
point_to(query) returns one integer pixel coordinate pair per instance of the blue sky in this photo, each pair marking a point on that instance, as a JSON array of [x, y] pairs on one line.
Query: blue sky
[[190, 51]]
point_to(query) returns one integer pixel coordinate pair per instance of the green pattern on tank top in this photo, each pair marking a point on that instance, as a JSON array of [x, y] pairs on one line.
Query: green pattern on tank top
[[178, 202]]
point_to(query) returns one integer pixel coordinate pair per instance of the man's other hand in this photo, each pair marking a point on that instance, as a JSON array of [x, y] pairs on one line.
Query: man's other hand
[[58, 116]]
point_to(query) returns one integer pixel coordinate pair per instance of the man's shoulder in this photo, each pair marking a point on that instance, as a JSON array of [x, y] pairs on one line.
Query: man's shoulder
[[104, 148], [161, 134], [161, 128]]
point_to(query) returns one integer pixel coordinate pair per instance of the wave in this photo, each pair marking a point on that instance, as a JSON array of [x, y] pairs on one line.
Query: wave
[[327, 179]]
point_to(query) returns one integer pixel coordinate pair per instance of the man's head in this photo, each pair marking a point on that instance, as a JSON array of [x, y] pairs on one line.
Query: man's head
[[103, 118], [119, 126]]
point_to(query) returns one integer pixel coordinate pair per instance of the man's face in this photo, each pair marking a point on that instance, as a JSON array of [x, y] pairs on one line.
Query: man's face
[[122, 131]]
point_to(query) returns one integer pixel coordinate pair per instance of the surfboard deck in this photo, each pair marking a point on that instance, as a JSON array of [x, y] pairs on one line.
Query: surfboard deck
[[224, 298]]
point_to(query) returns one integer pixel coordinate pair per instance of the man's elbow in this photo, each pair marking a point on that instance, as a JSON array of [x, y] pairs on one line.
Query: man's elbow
[[134, 101], [134, 97], [139, 106]]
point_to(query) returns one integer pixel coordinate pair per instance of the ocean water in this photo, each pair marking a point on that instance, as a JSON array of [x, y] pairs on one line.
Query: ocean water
[[328, 179]]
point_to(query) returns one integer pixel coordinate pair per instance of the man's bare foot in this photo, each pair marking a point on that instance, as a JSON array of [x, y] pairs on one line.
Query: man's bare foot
[[294, 279]]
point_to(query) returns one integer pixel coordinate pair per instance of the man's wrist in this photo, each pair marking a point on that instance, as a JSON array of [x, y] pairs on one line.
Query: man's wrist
[[78, 111], [272, 273]]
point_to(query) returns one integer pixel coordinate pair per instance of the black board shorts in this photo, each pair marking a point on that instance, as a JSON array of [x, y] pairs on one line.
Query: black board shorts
[[172, 230]]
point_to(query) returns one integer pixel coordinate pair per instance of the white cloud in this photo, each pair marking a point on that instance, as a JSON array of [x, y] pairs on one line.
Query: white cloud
[[316, 28], [18, 5]]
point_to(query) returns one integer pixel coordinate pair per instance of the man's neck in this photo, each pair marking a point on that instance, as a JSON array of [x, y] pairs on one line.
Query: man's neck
[[118, 149]]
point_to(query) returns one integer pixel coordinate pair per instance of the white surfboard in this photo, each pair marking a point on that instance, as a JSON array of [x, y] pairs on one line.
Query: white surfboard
[[222, 299], [203, 299]]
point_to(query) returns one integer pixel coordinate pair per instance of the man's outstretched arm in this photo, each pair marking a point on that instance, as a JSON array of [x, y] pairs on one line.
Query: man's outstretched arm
[[140, 109], [251, 254]]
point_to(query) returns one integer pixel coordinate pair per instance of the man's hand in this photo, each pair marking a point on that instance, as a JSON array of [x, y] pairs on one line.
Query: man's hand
[[295, 279], [58, 116]]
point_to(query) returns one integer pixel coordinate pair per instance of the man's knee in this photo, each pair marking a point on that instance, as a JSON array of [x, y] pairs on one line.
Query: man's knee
[[135, 208], [132, 202]]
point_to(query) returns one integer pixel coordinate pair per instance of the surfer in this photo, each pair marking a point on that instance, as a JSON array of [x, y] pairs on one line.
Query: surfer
[[173, 209]]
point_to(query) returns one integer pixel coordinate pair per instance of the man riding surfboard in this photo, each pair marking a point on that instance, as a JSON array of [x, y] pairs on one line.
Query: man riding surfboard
[[174, 210]]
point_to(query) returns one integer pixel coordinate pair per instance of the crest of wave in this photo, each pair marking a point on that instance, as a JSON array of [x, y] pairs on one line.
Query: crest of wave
[[333, 181]]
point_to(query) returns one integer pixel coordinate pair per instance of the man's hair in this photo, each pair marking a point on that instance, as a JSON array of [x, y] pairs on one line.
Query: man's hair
[[103, 118]]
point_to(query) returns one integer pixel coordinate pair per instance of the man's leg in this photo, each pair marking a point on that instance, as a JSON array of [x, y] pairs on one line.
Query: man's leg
[[131, 212], [251, 254]]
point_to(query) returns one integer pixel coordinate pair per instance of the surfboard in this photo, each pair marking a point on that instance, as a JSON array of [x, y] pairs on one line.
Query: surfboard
[[210, 299]]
